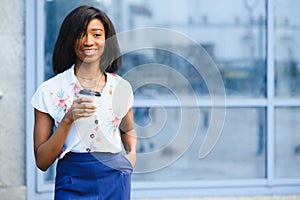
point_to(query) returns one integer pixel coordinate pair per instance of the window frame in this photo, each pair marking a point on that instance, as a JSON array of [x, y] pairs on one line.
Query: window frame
[[37, 189]]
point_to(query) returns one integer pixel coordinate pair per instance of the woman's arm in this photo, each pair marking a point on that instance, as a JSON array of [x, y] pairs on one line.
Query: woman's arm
[[47, 146], [129, 136]]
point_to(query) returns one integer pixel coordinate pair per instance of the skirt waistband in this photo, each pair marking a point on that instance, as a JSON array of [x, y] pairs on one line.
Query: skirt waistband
[[85, 157]]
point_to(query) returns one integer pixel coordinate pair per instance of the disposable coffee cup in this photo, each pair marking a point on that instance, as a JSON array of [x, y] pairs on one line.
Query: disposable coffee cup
[[86, 125]]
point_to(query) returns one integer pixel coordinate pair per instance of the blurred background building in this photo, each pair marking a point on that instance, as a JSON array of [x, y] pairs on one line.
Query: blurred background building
[[255, 47]]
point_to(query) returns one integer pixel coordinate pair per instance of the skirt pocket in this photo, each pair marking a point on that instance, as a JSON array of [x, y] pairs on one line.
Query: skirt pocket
[[64, 182], [124, 164]]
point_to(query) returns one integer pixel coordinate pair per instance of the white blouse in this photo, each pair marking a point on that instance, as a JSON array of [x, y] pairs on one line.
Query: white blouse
[[99, 133]]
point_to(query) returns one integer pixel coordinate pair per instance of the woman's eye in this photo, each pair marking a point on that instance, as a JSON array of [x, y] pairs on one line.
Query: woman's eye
[[97, 34]]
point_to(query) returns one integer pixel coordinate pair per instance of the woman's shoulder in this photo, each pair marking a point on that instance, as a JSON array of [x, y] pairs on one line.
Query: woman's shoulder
[[115, 78], [119, 84], [54, 82]]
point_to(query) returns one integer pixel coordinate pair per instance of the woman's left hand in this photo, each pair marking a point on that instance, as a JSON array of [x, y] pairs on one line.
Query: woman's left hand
[[132, 158]]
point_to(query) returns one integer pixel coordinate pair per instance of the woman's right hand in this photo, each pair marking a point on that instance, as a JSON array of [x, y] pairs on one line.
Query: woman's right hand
[[81, 107]]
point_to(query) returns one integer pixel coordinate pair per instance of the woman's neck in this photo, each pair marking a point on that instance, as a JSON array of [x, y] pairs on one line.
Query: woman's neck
[[87, 71], [90, 77]]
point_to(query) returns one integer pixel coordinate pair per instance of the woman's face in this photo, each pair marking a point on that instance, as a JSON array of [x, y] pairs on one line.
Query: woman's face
[[90, 46]]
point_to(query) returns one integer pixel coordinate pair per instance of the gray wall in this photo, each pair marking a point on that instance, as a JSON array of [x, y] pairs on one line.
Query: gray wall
[[12, 109]]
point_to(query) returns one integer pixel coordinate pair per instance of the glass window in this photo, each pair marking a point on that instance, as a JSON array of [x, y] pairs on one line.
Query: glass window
[[234, 37], [287, 142], [239, 153], [287, 48], [166, 71]]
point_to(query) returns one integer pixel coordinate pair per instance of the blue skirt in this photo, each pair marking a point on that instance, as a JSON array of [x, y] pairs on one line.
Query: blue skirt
[[93, 176]]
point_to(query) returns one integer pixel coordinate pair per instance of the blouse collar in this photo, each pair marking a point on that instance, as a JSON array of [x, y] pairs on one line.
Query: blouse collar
[[72, 79]]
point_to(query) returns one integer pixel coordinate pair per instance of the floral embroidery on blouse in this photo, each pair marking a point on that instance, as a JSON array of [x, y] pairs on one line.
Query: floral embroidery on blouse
[[113, 122], [76, 89], [60, 101]]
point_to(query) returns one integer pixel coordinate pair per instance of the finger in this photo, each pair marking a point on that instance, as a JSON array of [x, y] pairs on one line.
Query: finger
[[85, 100], [84, 115], [82, 100], [88, 110], [87, 107], [76, 100], [78, 111], [83, 105]]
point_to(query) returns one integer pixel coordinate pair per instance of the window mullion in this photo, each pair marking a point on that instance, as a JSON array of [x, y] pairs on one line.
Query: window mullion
[[270, 91]]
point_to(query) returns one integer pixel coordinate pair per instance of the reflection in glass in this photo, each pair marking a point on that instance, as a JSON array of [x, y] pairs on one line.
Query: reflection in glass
[[49, 176], [287, 142], [234, 38], [287, 63], [158, 59], [239, 153]]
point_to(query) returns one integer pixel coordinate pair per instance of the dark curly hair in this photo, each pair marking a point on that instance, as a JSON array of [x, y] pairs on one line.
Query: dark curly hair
[[73, 26]]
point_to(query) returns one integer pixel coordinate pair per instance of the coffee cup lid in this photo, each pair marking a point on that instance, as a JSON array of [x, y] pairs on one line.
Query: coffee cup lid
[[90, 92]]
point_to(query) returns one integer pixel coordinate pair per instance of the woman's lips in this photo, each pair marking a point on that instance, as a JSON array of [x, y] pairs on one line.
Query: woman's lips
[[89, 52]]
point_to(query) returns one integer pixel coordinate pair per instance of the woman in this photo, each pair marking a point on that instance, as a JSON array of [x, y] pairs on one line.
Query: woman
[[88, 131]]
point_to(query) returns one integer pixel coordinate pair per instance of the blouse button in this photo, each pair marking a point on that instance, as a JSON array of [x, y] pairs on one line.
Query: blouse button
[[96, 121], [88, 149], [92, 135]]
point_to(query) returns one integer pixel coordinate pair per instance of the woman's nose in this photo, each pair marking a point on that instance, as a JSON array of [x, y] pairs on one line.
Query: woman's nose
[[88, 40]]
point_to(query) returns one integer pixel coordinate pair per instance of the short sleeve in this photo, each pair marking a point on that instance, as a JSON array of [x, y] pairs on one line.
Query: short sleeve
[[39, 100], [130, 98]]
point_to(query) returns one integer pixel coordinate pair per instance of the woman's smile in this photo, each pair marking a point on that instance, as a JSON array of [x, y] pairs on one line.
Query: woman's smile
[[89, 52]]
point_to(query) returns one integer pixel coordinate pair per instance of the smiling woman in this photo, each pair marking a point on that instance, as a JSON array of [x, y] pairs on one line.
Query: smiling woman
[[90, 46], [82, 30], [89, 129]]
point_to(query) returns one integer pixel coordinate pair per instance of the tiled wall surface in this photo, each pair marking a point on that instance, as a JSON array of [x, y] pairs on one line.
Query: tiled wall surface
[[12, 103]]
